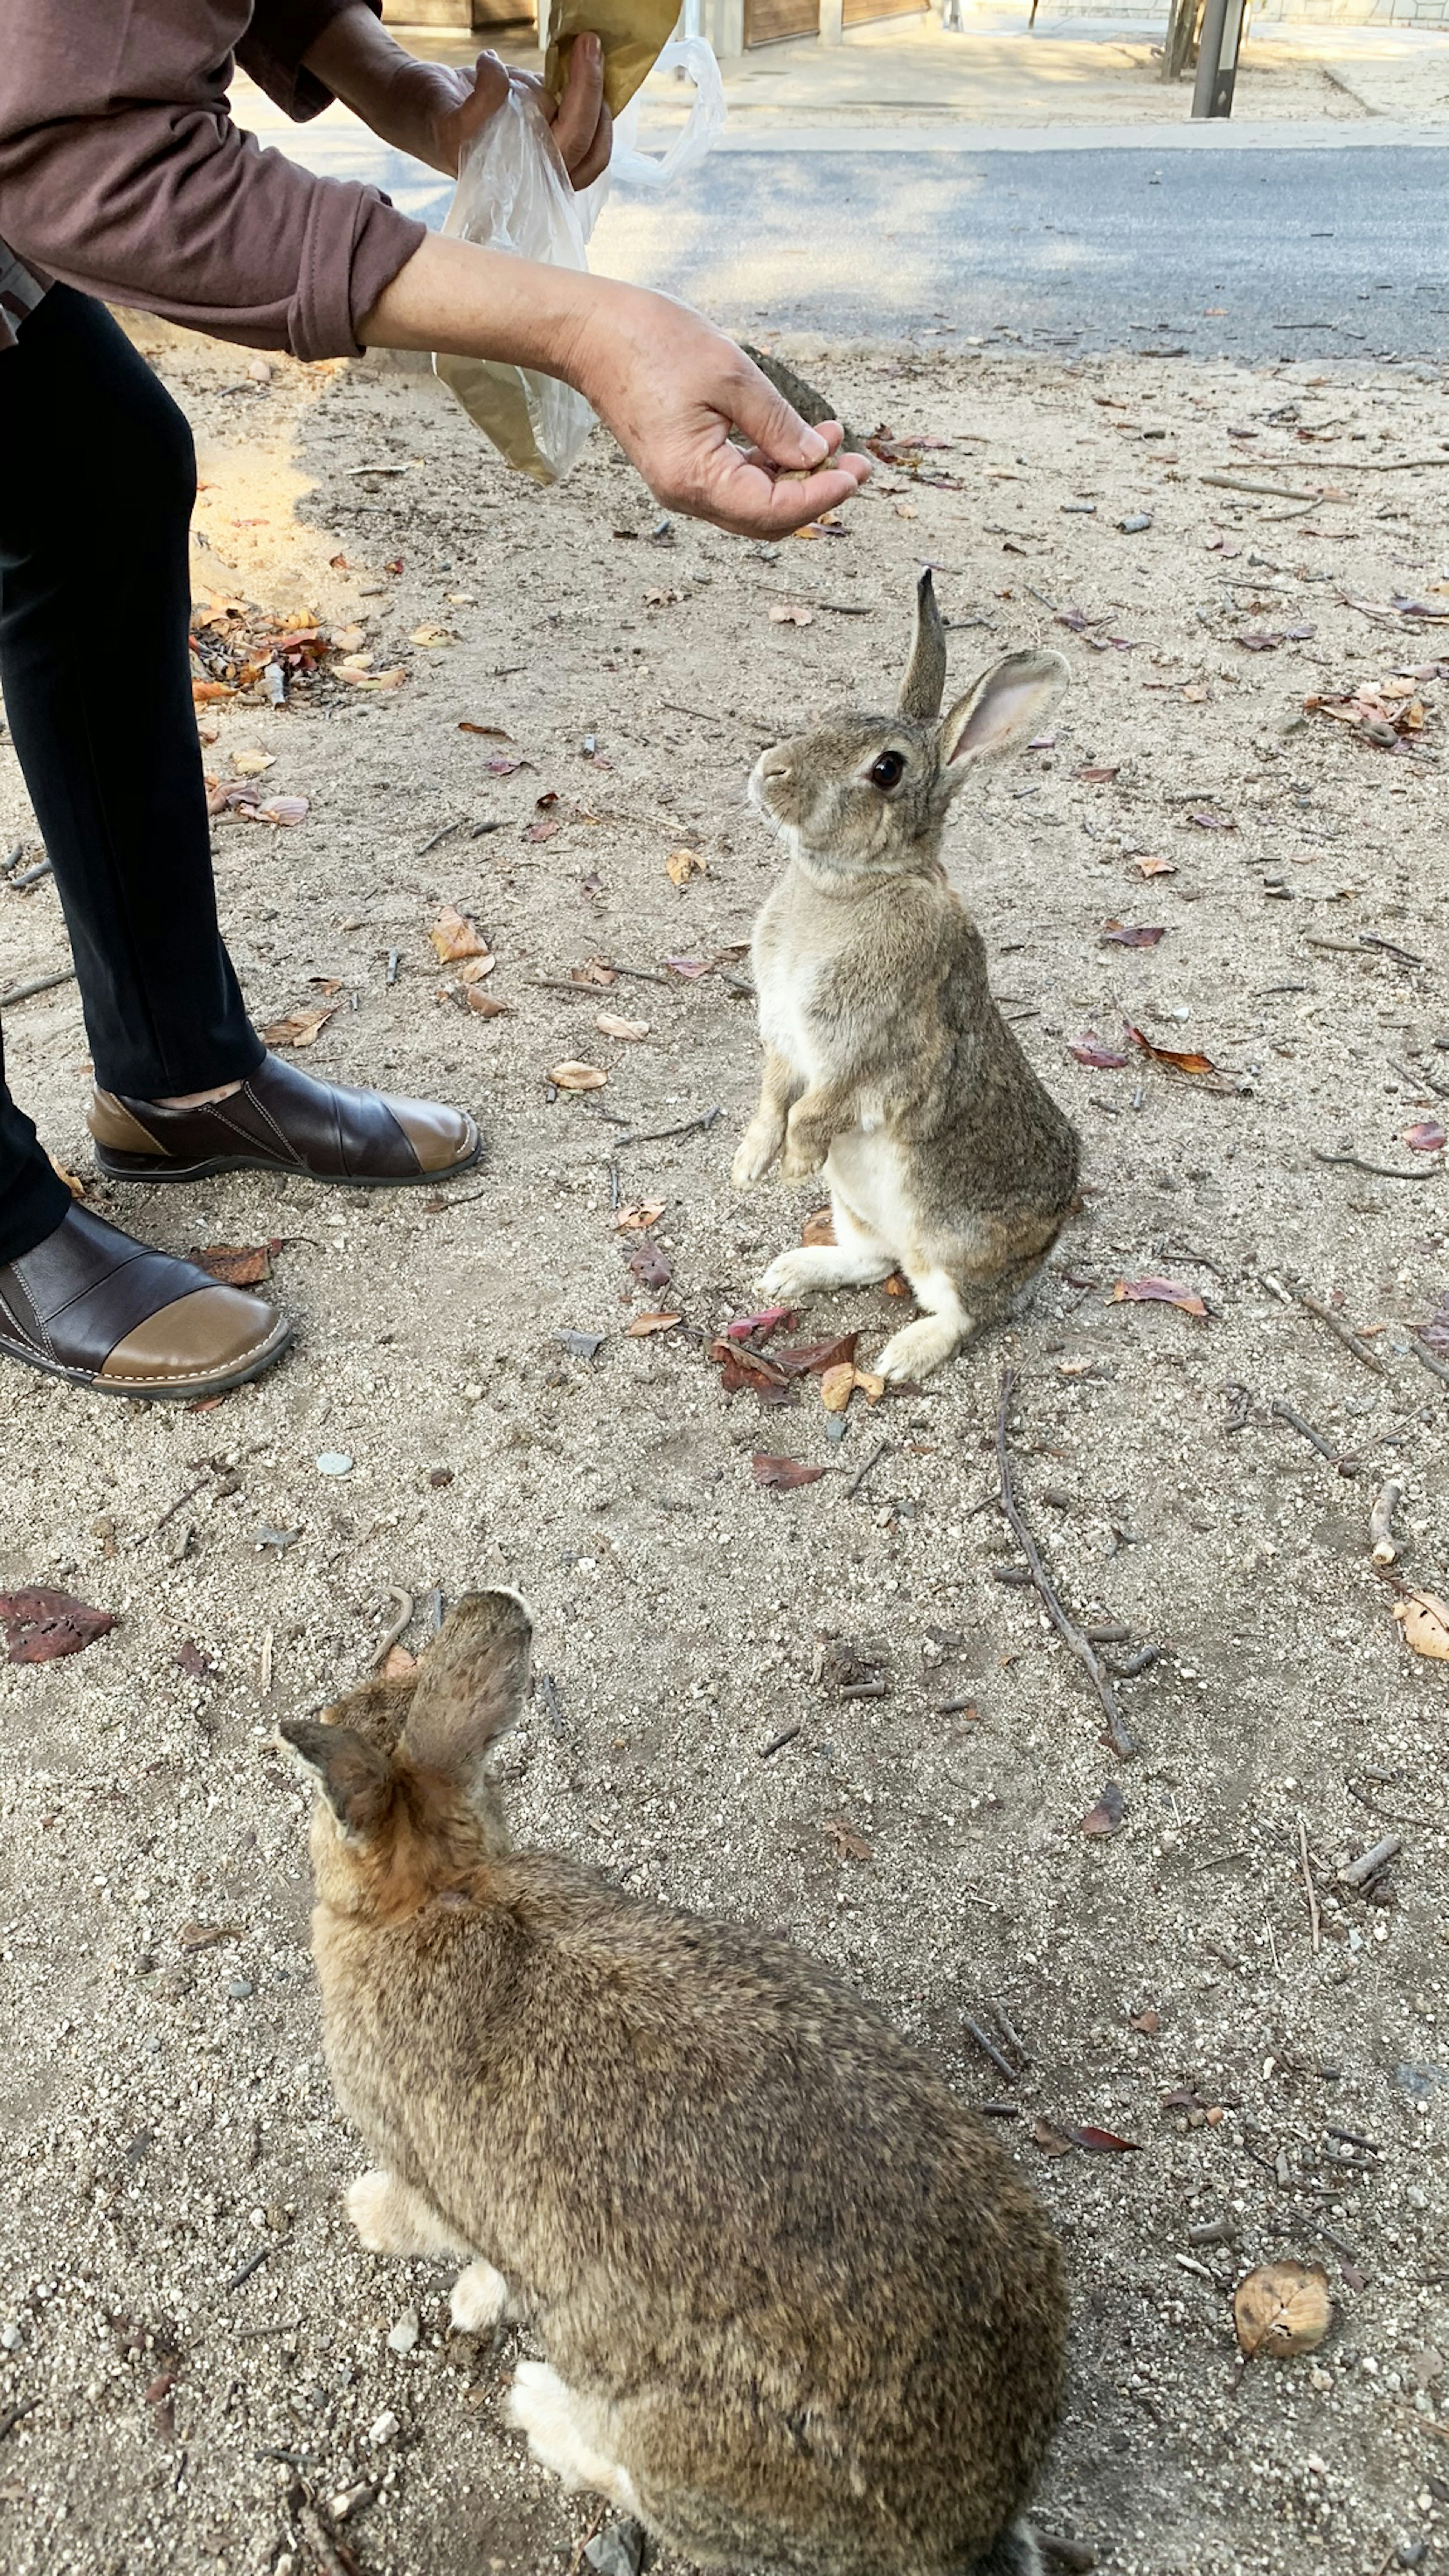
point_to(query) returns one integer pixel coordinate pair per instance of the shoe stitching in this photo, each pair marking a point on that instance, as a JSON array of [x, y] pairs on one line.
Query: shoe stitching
[[290, 1151], [34, 1337], [189, 1377]]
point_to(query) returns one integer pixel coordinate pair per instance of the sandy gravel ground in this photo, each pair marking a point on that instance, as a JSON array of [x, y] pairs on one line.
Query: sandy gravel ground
[[197, 2345]]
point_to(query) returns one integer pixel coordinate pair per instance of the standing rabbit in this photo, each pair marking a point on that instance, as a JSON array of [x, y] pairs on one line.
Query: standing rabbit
[[887, 1062], [800, 2311]]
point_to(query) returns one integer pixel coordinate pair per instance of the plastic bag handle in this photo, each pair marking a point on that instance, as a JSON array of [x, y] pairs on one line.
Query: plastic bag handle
[[694, 56]]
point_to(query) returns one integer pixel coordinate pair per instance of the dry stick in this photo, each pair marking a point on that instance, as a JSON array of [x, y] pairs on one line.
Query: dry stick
[[1296, 1421], [1273, 491], [16, 2414], [1382, 1547], [1419, 1080], [653, 1135], [1380, 1171], [638, 974], [989, 2049], [1313, 1922], [1357, 1873], [401, 1623], [37, 984], [881, 1450], [1341, 1331], [1436, 1368], [1070, 1634]]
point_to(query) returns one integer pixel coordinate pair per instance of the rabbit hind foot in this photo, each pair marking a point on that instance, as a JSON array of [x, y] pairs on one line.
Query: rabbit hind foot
[[564, 2434], [935, 1337], [392, 2218]]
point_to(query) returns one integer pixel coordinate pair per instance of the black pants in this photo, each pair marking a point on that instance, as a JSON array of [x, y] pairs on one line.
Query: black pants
[[97, 479]]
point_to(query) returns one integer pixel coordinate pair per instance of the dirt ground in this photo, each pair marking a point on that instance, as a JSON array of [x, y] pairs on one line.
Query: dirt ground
[[195, 2340]]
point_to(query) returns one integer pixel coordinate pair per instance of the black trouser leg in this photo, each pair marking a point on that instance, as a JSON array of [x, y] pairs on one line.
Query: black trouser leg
[[96, 486]]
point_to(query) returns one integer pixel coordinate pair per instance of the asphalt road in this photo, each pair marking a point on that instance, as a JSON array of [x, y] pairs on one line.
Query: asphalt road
[[1254, 254], [1286, 241]]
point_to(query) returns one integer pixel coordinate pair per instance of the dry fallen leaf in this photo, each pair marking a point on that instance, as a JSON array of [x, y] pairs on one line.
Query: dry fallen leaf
[[371, 679], [639, 1325], [578, 1077], [252, 764], [1282, 2308], [1103, 2142], [818, 1228], [205, 1936], [848, 1843], [1180, 1063], [1427, 1138], [430, 635], [610, 1027], [473, 969], [1130, 934], [1108, 1812], [41, 1625], [1152, 867], [681, 865], [484, 1004], [454, 937], [1158, 1292], [236, 1265], [1092, 1050], [837, 1386], [286, 811], [778, 1472], [871, 1387], [1424, 1619], [638, 1219], [300, 1028], [813, 1359], [72, 1180], [494, 733], [792, 617]]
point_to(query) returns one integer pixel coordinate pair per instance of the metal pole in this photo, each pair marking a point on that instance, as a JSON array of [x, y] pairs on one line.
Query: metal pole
[[1217, 57]]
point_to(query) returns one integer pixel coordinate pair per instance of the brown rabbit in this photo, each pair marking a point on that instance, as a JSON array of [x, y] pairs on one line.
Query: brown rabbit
[[799, 2309], [887, 1061]]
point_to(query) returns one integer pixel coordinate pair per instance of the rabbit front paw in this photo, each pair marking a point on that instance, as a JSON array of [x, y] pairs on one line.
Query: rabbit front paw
[[918, 1348], [804, 1152], [756, 1151], [480, 2298], [392, 2218]]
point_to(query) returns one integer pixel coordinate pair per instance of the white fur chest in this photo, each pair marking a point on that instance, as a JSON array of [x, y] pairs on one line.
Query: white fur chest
[[783, 984]]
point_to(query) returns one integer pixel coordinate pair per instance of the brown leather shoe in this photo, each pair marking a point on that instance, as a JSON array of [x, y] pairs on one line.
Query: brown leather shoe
[[284, 1120], [91, 1305]]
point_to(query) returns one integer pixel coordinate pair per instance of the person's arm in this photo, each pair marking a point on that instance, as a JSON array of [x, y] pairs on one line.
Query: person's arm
[[669, 386], [432, 110]]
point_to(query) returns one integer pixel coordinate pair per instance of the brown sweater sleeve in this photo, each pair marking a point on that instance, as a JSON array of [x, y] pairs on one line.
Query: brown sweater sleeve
[[122, 174]]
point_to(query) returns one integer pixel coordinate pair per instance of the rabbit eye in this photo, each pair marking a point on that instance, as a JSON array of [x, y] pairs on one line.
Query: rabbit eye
[[888, 771]]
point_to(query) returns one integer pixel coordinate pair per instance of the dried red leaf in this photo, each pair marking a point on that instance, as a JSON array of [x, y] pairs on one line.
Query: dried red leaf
[[691, 968], [1103, 2142], [236, 1265], [194, 1659], [651, 1267], [1427, 1138], [1131, 934], [1092, 1050], [41, 1625], [819, 1227], [1158, 1292], [782, 1473], [1096, 777], [495, 733], [811, 1359], [849, 1844], [1188, 1062], [1108, 1812], [1207, 821], [749, 1328]]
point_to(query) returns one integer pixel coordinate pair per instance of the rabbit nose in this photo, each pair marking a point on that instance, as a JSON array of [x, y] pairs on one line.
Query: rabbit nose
[[775, 764]]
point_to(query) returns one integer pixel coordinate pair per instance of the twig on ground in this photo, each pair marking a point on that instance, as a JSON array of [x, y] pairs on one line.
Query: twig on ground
[[1436, 1367], [37, 984], [636, 974], [1314, 1926], [1014, 2036], [1341, 1331], [1358, 1873], [402, 1622], [1383, 1547], [181, 1500], [32, 876], [445, 833], [778, 1742], [1270, 491], [881, 1450], [879, 1688], [1296, 1421], [836, 607], [1071, 1635], [252, 2264], [655, 1135], [1141, 1662], [10, 2416], [1420, 1080], [989, 2049], [558, 1723], [1380, 1171], [394, 962], [1371, 939]]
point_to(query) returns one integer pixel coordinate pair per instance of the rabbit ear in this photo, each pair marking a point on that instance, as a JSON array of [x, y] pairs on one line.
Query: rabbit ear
[[924, 685], [472, 1685], [353, 1776], [1005, 707]]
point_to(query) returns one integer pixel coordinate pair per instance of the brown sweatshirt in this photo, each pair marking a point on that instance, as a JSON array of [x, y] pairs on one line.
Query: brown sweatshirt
[[122, 173]]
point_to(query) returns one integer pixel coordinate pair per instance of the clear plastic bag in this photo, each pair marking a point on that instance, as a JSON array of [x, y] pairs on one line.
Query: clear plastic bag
[[515, 194]]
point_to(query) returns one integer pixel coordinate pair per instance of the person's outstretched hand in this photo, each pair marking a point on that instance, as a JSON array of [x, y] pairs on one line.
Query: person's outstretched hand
[[672, 388]]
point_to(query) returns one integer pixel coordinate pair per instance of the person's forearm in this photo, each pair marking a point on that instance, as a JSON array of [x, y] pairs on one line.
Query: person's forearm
[[370, 72], [478, 303]]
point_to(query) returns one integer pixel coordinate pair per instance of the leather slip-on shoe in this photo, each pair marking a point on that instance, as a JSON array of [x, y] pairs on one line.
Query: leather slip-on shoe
[[284, 1120], [91, 1305]]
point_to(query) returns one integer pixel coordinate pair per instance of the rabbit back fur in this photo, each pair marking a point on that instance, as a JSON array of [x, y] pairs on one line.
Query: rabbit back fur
[[800, 2312]]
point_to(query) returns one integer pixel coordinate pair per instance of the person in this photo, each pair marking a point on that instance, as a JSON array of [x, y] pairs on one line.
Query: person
[[122, 177]]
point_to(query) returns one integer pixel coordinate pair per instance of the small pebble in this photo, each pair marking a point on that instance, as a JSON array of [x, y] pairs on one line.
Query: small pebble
[[405, 2333], [334, 1462], [383, 2429], [239, 1988]]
